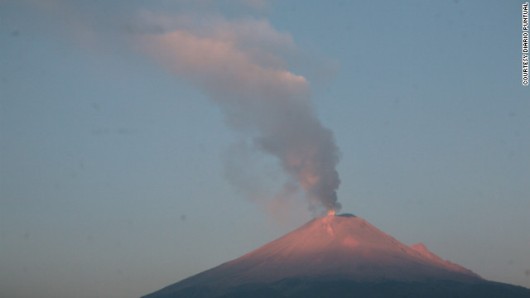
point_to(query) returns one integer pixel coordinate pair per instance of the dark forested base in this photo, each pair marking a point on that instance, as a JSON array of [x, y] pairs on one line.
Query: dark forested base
[[300, 288]]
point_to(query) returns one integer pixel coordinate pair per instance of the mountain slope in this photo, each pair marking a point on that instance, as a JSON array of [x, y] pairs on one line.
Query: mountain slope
[[341, 252]]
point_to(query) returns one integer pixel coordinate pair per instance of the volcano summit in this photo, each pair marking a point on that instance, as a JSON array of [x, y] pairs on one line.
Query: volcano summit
[[338, 256]]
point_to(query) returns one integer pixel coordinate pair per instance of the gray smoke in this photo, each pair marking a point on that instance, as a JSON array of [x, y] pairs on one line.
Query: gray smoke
[[239, 65]]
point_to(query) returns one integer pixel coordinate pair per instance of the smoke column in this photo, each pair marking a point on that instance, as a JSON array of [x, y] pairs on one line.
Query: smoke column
[[239, 65]]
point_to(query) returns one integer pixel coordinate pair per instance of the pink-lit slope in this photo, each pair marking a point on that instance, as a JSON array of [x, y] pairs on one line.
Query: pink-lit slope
[[343, 246]]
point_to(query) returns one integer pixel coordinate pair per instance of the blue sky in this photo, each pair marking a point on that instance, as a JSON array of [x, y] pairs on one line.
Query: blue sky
[[113, 166]]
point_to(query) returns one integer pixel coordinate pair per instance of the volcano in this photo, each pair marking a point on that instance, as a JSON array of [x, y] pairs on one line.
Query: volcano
[[338, 256]]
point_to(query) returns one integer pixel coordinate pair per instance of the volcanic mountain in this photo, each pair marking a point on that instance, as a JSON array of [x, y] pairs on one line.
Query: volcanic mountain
[[338, 256]]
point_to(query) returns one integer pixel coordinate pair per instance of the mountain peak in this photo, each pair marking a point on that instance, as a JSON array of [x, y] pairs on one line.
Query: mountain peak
[[340, 252], [334, 246]]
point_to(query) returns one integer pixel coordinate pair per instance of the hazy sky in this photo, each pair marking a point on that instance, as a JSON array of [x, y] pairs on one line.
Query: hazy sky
[[127, 164]]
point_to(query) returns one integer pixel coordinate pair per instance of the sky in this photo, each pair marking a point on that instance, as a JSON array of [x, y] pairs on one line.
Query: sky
[[138, 139]]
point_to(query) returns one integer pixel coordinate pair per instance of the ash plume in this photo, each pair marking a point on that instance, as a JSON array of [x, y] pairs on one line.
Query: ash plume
[[239, 64]]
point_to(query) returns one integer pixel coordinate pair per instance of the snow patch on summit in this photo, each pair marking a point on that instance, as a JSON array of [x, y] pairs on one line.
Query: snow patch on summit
[[350, 242]]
